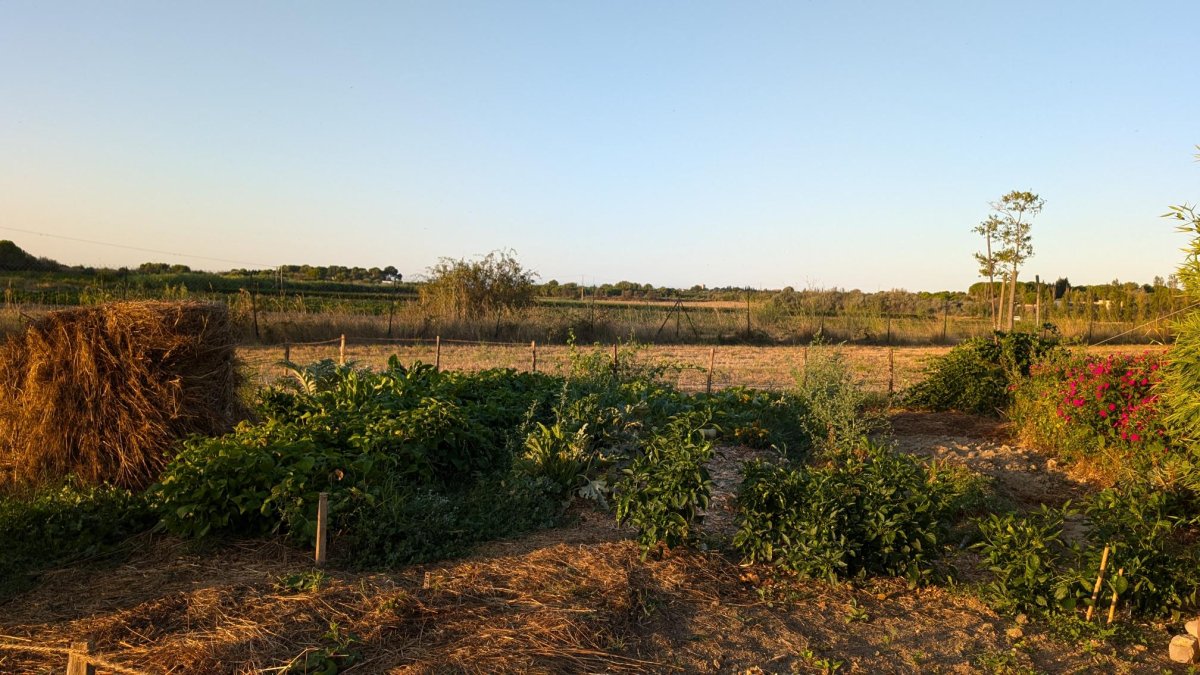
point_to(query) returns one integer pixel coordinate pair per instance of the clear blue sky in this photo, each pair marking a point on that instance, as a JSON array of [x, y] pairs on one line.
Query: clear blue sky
[[846, 144]]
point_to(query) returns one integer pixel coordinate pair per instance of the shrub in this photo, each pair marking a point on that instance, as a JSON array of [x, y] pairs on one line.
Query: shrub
[[761, 419], [1088, 406], [56, 525], [872, 512], [977, 375], [1026, 555], [838, 415], [666, 487]]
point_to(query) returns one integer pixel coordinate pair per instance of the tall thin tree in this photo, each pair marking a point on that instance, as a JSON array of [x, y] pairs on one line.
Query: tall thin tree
[[1016, 211]]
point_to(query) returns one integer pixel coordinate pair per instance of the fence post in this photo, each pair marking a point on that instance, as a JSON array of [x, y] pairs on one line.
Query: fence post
[[342, 351], [77, 659], [533, 351], [437, 353], [712, 358], [322, 526], [287, 356], [891, 371], [804, 365], [614, 363]]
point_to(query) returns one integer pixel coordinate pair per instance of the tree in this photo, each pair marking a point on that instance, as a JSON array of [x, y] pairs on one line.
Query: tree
[[1015, 212], [489, 286], [990, 229]]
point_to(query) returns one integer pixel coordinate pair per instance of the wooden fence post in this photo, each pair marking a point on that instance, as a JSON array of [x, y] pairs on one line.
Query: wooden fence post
[[614, 363], [322, 526], [287, 357], [342, 351], [712, 359], [891, 371], [77, 659], [533, 353], [437, 353]]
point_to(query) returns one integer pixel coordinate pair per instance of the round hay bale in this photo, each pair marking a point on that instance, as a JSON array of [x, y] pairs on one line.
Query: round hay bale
[[105, 392]]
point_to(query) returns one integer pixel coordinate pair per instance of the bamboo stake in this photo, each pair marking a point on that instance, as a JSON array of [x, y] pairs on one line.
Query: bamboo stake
[[1112, 607], [533, 349], [342, 351], [437, 353], [1099, 581], [614, 364]]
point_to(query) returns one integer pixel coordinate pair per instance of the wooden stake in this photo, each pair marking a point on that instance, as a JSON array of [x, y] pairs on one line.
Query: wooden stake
[[891, 371], [712, 359], [1112, 607], [1099, 580], [804, 364], [342, 351], [287, 357], [77, 659], [437, 353], [322, 526], [614, 365], [533, 349], [254, 310]]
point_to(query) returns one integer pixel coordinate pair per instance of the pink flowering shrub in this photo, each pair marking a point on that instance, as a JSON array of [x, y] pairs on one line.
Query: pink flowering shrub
[[1095, 406]]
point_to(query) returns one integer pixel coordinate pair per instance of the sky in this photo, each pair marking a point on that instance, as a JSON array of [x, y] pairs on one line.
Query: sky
[[767, 144]]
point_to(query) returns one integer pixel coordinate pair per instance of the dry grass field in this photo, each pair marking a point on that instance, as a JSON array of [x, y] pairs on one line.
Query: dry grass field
[[766, 367]]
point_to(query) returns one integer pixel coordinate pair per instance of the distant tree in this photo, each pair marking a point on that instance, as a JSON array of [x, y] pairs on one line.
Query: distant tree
[[988, 262], [1061, 286], [490, 286], [15, 259], [1015, 212]]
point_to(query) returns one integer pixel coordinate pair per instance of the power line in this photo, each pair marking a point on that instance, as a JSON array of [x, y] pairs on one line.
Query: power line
[[136, 248]]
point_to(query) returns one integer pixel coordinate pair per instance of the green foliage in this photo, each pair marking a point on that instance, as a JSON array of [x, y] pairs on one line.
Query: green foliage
[[871, 512], [301, 582], [347, 432], [402, 524], [762, 419], [978, 375], [666, 487], [57, 525], [838, 416], [337, 652], [1151, 531], [1025, 554], [1181, 380], [562, 458]]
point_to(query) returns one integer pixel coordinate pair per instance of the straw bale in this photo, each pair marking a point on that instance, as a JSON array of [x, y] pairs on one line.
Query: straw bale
[[105, 392]]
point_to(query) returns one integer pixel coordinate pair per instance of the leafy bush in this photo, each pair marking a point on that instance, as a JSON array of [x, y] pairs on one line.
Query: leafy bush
[[403, 524], [54, 526], [1152, 535], [1110, 407], [667, 486], [761, 419], [838, 416], [1026, 555], [872, 512], [978, 374]]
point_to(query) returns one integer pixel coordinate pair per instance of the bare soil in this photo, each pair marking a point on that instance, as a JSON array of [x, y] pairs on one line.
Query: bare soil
[[576, 599]]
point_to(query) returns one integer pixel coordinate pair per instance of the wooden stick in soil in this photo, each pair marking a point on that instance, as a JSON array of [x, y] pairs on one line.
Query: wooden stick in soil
[[322, 526], [77, 659], [1099, 581], [437, 353], [1112, 607], [712, 359], [342, 351], [533, 349]]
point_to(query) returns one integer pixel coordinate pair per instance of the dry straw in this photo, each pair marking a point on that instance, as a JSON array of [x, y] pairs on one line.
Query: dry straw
[[105, 392]]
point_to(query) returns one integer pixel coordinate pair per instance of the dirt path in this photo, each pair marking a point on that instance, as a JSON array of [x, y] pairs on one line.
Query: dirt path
[[570, 600]]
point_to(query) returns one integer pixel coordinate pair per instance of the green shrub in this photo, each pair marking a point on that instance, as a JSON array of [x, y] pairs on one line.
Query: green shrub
[[666, 487], [57, 525], [403, 524], [761, 419], [978, 374], [872, 512], [1152, 535], [838, 415]]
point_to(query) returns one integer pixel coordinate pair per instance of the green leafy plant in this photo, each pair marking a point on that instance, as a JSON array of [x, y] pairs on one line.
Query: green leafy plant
[[873, 512], [977, 375], [666, 487]]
